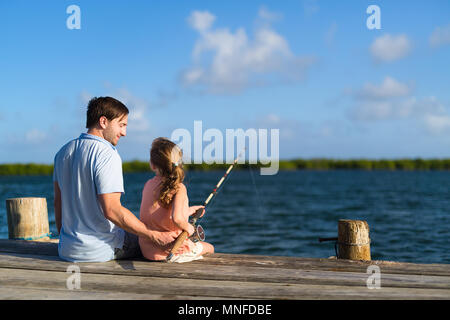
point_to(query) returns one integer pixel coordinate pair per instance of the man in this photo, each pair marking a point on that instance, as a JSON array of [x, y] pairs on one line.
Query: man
[[88, 184]]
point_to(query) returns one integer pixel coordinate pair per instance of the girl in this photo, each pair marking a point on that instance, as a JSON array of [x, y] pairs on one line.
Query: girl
[[165, 205]]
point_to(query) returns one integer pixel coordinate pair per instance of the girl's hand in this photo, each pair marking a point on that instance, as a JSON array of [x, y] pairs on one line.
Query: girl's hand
[[190, 229], [193, 209]]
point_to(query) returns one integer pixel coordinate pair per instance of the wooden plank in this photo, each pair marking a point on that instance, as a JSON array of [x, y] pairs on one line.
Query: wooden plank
[[327, 264], [198, 270], [16, 293], [31, 247], [276, 262], [133, 285], [253, 277]]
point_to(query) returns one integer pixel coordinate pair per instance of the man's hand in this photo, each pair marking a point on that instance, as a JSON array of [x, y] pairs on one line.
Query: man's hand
[[163, 239], [170, 238]]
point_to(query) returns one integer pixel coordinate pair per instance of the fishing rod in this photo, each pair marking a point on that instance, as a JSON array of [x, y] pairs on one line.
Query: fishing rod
[[199, 233]]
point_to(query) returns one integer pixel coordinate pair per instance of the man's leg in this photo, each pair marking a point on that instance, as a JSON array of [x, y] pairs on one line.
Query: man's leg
[[130, 247]]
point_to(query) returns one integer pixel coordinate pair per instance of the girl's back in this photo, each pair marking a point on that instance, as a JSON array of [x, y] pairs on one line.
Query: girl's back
[[158, 218]]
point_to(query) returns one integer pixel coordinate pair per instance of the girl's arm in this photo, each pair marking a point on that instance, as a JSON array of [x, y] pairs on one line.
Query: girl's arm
[[181, 210]]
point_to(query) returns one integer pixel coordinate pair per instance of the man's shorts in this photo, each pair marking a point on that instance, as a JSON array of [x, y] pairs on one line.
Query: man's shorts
[[130, 249]]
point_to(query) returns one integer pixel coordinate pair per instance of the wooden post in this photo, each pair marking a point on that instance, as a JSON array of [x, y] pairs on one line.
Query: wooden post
[[353, 240], [27, 219]]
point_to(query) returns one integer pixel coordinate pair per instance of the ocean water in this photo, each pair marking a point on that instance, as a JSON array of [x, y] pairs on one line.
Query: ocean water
[[408, 212]]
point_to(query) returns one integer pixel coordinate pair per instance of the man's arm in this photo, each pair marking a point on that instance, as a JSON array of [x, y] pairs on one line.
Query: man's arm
[[57, 205], [125, 219]]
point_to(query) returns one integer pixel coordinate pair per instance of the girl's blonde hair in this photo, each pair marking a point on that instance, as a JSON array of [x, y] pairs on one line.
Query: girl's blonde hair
[[166, 157]]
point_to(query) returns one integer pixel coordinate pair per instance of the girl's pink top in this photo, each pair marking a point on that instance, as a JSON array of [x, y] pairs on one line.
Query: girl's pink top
[[158, 218]]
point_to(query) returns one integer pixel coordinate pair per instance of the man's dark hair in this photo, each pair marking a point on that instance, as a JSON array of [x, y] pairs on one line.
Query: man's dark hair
[[104, 106]]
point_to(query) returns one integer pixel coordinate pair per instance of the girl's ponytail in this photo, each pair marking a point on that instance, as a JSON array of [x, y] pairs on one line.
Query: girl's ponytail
[[166, 156]]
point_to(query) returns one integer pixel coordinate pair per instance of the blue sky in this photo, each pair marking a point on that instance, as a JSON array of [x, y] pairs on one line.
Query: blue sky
[[311, 69]]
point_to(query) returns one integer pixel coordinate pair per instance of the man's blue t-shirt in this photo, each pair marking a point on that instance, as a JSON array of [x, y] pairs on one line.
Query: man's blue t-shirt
[[84, 168]]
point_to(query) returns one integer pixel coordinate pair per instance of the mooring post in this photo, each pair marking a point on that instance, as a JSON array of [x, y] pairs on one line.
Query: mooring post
[[353, 240], [27, 219]]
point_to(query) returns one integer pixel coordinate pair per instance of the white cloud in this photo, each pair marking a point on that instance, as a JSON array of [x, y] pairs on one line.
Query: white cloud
[[267, 15], [381, 102], [310, 7], [331, 33], [440, 36], [201, 20], [138, 107], [389, 48], [390, 88], [437, 124], [288, 127], [35, 136], [272, 119], [393, 109], [84, 97], [227, 62], [193, 75], [393, 100], [137, 118], [371, 111], [434, 116]]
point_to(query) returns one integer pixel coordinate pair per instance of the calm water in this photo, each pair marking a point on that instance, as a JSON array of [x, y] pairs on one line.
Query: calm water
[[285, 214]]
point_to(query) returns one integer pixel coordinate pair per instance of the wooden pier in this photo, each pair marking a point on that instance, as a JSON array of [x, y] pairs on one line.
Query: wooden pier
[[33, 270]]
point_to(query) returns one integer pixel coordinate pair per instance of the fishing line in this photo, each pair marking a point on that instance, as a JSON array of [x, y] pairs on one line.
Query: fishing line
[[256, 189], [259, 203]]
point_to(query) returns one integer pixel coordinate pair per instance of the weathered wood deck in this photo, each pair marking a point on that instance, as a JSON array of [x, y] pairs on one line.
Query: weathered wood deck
[[32, 270]]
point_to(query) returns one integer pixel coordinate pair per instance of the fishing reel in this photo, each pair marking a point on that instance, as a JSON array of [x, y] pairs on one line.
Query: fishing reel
[[198, 235]]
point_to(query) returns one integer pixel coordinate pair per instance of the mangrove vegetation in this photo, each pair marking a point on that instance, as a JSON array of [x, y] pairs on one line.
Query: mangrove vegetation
[[295, 164]]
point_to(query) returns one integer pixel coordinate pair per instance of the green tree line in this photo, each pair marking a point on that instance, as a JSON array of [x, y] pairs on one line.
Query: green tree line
[[295, 164]]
